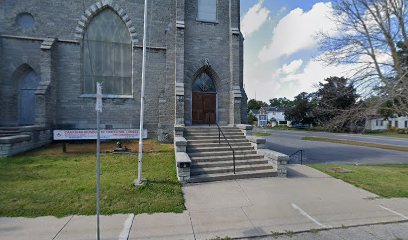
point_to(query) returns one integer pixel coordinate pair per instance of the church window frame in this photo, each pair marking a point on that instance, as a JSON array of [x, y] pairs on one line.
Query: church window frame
[[207, 11], [126, 89]]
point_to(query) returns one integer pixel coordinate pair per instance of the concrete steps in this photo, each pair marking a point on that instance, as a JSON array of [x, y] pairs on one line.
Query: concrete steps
[[232, 176], [228, 163], [226, 148], [215, 140], [225, 158], [210, 137], [4, 131], [212, 160], [221, 144], [226, 169], [221, 153]]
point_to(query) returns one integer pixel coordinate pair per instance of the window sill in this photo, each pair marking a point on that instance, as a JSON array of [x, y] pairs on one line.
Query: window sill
[[107, 96], [207, 21]]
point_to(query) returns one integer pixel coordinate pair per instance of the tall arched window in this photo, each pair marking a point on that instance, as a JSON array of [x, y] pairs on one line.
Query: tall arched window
[[107, 55]]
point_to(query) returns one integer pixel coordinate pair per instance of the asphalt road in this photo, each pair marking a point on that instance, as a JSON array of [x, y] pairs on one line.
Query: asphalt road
[[289, 142]]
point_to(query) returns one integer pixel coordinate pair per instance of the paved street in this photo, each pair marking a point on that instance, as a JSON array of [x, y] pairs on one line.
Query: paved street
[[307, 200], [393, 231], [289, 142]]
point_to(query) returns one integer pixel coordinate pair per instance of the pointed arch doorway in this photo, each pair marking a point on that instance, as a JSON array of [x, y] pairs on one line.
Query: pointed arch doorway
[[204, 109], [28, 86]]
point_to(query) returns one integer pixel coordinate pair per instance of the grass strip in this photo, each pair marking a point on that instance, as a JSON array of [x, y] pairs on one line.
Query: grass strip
[[261, 134], [389, 181], [387, 134], [48, 182], [355, 143]]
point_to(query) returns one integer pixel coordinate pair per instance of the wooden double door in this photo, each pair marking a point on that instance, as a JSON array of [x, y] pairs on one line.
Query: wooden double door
[[204, 108]]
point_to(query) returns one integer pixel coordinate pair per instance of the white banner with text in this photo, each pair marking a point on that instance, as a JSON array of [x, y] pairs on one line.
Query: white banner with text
[[91, 134]]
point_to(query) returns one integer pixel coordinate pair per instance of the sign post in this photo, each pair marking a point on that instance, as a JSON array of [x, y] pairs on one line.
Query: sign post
[[98, 109]]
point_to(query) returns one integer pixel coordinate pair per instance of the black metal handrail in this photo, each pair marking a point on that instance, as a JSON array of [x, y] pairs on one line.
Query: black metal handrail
[[219, 139], [301, 155], [219, 142]]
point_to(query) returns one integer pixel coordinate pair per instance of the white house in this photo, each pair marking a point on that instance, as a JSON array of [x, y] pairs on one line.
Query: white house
[[275, 115], [383, 124]]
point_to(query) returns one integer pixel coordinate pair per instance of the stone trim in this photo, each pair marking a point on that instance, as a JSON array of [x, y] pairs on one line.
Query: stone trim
[[257, 142], [179, 130], [245, 128], [180, 24], [179, 89], [236, 91], [180, 144], [183, 164], [98, 7], [37, 39], [235, 31], [278, 160], [47, 43], [206, 68]]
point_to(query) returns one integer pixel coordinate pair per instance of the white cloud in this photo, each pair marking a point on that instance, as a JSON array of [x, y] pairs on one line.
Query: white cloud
[[291, 81], [297, 31], [291, 67], [314, 72], [254, 19]]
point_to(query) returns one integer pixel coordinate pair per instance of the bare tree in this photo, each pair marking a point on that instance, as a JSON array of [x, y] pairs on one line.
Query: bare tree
[[372, 37]]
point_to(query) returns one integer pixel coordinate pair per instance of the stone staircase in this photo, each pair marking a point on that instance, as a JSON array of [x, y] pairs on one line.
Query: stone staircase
[[212, 160], [14, 140]]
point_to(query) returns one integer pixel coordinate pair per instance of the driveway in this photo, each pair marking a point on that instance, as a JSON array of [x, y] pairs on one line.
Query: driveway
[[289, 142]]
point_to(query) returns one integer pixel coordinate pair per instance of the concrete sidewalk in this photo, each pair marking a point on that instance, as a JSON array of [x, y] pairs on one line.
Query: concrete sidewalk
[[307, 200]]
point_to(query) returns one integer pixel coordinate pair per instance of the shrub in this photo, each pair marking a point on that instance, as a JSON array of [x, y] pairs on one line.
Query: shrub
[[251, 118], [402, 130]]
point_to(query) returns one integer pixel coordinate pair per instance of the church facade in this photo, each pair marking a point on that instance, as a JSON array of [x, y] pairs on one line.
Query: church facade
[[52, 53]]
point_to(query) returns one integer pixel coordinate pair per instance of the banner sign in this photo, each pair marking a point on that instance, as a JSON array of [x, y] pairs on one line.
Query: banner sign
[[91, 134]]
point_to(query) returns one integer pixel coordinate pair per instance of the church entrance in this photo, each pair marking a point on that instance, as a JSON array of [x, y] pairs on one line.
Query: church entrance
[[204, 109], [28, 85]]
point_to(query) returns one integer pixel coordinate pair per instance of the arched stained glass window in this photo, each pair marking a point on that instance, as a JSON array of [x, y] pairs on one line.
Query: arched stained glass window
[[107, 55], [204, 83]]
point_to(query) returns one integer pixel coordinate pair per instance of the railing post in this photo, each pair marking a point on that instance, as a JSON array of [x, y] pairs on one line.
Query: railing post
[[219, 136], [233, 158]]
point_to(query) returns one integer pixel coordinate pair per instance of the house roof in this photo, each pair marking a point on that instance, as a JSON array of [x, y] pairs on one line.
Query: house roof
[[254, 111], [274, 109]]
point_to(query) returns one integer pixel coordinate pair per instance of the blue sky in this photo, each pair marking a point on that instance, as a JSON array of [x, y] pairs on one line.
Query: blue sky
[[280, 48]]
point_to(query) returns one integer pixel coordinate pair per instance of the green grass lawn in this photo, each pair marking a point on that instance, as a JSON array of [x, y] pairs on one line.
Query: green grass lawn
[[355, 143], [384, 180], [48, 182], [261, 134], [388, 134]]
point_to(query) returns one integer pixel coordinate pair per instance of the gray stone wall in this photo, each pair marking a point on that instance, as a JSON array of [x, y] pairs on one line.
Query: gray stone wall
[[17, 55], [68, 109], [211, 40], [204, 40], [62, 104]]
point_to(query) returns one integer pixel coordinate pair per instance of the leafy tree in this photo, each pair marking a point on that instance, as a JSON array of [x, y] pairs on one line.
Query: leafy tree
[[256, 105], [280, 102], [302, 110], [335, 96], [373, 37]]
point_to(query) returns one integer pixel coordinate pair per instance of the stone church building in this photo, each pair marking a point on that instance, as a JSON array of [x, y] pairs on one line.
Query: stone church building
[[52, 53]]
